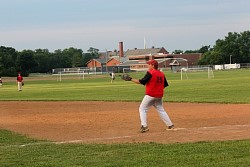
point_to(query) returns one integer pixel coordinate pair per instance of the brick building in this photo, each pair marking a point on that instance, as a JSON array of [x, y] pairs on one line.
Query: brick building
[[136, 59]]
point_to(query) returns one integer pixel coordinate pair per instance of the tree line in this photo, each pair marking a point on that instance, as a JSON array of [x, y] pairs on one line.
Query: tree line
[[235, 47], [41, 60]]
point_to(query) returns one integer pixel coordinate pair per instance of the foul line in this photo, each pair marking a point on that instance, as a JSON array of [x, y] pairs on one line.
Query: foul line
[[121, 137]]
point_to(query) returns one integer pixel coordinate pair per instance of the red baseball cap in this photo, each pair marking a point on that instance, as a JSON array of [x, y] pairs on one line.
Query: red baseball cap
[[154, 63]]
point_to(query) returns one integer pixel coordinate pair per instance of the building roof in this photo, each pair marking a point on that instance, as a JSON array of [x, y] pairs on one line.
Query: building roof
[[132, 62], [136, 62], [149, 51], [101, 60], [120, 59]]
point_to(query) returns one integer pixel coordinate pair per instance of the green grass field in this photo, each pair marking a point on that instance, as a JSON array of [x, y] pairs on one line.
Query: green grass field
[[227, 87]]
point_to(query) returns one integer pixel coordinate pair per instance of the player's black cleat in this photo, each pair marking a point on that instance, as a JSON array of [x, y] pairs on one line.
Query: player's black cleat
[[170, 127], [144, 129]]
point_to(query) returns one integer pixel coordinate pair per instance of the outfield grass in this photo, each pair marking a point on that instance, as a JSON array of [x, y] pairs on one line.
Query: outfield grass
[[227, 87]]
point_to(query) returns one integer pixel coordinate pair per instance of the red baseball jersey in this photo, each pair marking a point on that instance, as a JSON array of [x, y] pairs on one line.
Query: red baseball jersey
[[155, 86], [19, 78]]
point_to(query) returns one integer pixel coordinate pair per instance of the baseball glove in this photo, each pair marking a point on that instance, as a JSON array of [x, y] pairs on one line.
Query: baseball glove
[[126, 77], [22, 83]]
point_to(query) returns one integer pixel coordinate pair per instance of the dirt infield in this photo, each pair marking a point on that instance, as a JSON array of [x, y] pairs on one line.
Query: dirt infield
[[118, 122]]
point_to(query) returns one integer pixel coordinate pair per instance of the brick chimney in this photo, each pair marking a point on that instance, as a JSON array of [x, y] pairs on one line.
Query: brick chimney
[[121, 54]]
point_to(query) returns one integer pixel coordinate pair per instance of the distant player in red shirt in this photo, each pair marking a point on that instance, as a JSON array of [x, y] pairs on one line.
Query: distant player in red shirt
[[155, 82], [19, 81], [1, 82]]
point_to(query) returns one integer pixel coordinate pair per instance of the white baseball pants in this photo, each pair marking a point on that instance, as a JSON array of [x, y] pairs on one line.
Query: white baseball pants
[[19, 86], [158, 104]]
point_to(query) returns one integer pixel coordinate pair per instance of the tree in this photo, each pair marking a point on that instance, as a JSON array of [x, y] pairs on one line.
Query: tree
[[8, 57], [204, 49], [25, 62], [41, 57], [244, 48], [60, 59], [191, 51], [93, 53], [77, 60], [41, 60], [235, 46], [177, 51], [76, 56]]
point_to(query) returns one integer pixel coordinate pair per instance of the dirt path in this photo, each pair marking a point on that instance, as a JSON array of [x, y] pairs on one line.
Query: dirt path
[[117, 122]]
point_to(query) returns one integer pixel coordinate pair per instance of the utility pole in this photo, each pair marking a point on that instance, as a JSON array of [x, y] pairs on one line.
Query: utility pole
[[106, 61]]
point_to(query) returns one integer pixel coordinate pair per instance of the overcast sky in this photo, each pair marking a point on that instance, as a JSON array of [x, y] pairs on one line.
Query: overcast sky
[[102, 24]]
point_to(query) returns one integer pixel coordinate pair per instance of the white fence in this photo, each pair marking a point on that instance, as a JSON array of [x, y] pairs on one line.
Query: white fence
[[226, 66]]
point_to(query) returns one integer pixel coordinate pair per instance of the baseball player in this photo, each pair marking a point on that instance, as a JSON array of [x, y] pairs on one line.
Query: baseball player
[[155, 82], [19, 81], [112, 76], [1, 82]]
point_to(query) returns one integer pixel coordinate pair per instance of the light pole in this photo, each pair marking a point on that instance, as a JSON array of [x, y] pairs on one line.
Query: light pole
[[106, 61], [230, 59]]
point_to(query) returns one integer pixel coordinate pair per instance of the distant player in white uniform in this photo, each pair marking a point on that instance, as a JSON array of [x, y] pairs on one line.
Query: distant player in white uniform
[[112, 76]]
